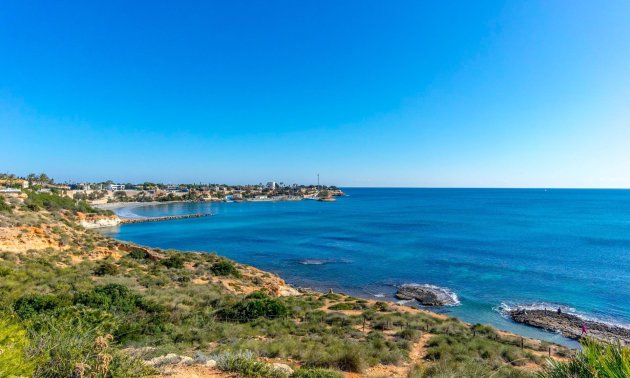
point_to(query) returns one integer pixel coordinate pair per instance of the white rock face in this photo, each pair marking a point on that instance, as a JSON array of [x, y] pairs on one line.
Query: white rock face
[[288, 291], [100, 223]]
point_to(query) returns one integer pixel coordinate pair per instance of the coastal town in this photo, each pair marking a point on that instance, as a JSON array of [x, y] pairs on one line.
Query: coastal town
[[107, 192]]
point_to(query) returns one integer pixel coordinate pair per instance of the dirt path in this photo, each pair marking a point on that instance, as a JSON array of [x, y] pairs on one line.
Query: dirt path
[[416, 354]]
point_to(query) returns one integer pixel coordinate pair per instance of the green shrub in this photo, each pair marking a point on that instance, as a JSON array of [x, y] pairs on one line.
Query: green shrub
[[31, 305], [14, 346], [175, 261], [346, 306], [315, 373], [350, 359], [254, 306], [246, 365], [137, 254], [408, 334], [54, 202], [596, 359], [5, 207], [114, 297], [224, 268], [72, 346], [106, 268]]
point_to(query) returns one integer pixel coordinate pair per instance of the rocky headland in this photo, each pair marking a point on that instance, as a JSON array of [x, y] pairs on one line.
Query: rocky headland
[[570, 325], [427, 295]]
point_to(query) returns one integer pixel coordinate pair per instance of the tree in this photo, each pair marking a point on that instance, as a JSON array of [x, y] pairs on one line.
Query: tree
[[43, 178]]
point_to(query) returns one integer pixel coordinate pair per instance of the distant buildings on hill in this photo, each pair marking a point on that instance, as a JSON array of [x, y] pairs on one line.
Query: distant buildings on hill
[[109, 191]]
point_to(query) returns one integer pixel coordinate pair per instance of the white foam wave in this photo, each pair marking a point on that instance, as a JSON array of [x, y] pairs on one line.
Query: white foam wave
[[322, 261], [442, 290]]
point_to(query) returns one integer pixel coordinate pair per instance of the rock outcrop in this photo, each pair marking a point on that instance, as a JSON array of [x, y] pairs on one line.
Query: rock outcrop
[[427, 295], [570, 325], [97, 221]]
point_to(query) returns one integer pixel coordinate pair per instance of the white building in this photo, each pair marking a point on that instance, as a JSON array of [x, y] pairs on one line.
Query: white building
[[115, 187], [271, 185]]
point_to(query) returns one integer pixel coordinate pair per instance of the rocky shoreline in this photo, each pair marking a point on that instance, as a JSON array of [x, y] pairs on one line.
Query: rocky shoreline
[[427, 295], [570, 325]]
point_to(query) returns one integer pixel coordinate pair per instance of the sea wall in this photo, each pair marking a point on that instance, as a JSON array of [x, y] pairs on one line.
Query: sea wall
[[165, 218]]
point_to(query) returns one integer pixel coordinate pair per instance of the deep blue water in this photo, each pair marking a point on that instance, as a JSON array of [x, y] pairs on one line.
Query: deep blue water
[[490, 246]]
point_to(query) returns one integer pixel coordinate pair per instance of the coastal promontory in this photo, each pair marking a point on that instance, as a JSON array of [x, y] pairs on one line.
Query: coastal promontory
[[570, 325], [427, 295]]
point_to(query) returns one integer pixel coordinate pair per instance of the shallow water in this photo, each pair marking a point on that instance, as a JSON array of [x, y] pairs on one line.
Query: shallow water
[[492, 247]]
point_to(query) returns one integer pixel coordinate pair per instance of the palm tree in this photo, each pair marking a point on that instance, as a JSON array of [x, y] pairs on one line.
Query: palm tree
[[43, 179]]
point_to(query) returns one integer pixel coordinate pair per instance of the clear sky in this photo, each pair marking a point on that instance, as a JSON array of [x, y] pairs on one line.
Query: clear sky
[[366, 93]]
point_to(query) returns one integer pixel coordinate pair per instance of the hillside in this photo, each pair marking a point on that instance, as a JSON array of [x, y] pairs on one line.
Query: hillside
[[76, 303]]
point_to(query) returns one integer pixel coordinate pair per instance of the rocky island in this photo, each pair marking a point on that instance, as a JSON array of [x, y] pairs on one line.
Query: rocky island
[[427, 295], [570, 325]]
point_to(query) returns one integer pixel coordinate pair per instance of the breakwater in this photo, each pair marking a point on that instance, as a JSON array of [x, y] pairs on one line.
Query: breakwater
[[164, 218]]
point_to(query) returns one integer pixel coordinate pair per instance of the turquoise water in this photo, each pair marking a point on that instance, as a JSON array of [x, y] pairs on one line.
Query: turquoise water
[[491, 247]]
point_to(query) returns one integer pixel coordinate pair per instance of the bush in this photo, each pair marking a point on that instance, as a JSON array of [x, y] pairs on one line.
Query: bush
[[31, 305], [114, 297], [174, 261], [54, 202], [596, 359], [14, 344], [224, 268], [106, 268], [316, 373], [74, 348], [137, 254], [346, 306], [246, 365], [5, 207], [350, 359], [254, 306], [408, 334]]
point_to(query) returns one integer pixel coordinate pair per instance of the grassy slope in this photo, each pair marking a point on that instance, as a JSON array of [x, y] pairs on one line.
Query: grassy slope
[[71, 296]]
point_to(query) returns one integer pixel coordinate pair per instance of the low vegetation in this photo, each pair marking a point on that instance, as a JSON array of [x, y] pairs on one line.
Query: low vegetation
[[596, 359], [54, 203]]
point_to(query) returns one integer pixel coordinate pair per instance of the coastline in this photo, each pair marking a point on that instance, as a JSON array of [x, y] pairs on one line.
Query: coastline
[[397, 306], [514, 327]]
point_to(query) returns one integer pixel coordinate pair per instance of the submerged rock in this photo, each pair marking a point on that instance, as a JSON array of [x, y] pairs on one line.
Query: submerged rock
[[570, 325], [427, 295]]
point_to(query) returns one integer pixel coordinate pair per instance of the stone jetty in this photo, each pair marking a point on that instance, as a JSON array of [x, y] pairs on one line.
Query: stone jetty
[[570, 325], [165, 218]]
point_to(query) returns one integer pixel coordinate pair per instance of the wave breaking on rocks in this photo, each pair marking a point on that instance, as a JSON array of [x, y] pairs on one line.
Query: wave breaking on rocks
[[565, 321], [427, 295]]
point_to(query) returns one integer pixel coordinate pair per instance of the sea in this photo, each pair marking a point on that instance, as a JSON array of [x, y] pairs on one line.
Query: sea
[[493, 249]]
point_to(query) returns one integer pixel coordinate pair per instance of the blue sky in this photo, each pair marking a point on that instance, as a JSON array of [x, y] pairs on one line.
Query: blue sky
[[366, 93]]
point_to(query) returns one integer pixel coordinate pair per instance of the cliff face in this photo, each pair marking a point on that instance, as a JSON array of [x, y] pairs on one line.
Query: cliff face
[[91, 221], [23, 238]]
